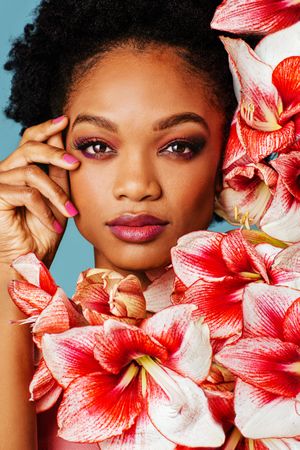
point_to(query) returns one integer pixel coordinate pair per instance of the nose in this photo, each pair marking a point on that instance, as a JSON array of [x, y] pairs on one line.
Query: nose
[[136, 179]]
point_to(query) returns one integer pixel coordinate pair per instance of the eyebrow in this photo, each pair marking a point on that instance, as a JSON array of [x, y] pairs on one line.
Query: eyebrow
[[161, 124]]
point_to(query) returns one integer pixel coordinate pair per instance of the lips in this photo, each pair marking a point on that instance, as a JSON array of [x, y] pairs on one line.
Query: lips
[[133, 220], [137, 228]]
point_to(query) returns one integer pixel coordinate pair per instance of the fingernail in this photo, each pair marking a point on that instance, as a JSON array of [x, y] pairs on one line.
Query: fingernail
[[58, 119], [57, 227], [71, 208], [70, 158]]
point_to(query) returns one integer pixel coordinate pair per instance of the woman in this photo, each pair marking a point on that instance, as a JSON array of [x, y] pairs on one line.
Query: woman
[[142, 99]]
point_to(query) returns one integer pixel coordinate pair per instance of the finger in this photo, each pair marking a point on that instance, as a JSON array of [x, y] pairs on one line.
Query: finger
[[34, 177], [45, 130], [58, 174], [31, 198], [37, 152]]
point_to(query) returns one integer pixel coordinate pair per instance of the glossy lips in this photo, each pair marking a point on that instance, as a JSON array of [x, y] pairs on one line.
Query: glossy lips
[[137, 228]]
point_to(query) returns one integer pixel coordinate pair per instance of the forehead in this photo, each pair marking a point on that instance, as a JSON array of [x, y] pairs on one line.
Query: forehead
[[137, 84]]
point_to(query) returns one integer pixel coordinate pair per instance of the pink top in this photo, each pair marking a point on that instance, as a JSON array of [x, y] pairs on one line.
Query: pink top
[[47, 434]]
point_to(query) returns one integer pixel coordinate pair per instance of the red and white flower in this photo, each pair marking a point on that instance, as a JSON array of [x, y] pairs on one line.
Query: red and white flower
[[126, 386], [255, 16], [213, 269], [267, 362], [49, 311], [103, 293]]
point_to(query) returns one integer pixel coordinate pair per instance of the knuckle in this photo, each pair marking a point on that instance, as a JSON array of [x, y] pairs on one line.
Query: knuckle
[[31, 171], [32, 193]]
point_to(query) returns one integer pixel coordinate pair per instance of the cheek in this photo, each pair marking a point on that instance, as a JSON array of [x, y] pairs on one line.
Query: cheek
[[191, 196]]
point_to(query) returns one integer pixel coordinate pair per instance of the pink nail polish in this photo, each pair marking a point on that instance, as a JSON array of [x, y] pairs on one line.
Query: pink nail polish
[[57, 227], [70, 158], [58, 119], [71, 208]]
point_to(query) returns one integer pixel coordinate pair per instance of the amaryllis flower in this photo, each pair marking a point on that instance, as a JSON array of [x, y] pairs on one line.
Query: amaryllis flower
[[103, 293], [247, 192], [214, 268], [49, 311], [142, 387], [267, 364], [268, 91], [255, 16]]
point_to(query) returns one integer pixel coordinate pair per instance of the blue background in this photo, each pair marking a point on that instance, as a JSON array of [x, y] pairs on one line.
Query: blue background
[[75, 253]]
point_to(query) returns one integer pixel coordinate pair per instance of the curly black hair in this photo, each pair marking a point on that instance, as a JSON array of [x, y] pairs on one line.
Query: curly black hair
[[66, 36]]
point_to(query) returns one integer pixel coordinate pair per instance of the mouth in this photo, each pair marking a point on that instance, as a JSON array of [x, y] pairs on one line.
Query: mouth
[[137, 228]]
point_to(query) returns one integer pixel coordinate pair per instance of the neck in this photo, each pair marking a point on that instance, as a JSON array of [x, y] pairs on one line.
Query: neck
[[103, 263]]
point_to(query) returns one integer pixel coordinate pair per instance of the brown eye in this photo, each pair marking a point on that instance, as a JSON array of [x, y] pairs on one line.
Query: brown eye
[[184, 148]]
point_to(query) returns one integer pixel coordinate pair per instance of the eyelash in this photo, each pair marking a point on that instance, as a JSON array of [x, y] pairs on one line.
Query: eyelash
[[195, 146]]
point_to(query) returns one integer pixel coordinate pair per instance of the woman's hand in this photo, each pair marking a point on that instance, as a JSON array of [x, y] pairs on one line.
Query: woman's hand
[[34, 206]]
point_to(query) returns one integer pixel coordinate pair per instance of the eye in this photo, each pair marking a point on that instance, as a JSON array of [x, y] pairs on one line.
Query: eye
[[94, 148], [184, 148]]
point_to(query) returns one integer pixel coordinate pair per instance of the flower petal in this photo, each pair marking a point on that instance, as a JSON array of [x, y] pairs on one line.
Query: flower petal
[[283, 216], [264, 363], [260, 144], [158, 293], [291, 325], [58, 316], [29, 298], [198, 255], [255, 16], [71, 354], [97, 407], [35, 272], [278, 46], [260, 102], [127, 299], [264, 308], [185, 339], [43, 388], [260, 414], [119, 343], [288, 167], [287, 80], [141, 436], [219, 303], [184, 419]]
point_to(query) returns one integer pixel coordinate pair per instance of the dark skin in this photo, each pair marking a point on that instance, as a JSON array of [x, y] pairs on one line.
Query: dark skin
[[141, 168]]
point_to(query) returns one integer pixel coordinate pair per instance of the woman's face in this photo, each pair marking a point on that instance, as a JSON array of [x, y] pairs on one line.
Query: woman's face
[[149, 140]]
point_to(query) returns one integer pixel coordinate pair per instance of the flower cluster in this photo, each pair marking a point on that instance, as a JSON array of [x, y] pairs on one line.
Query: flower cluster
[[262, 163], [217, 365]]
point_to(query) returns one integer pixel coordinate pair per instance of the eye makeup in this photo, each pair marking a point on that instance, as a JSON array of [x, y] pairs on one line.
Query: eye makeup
[[180, 148]]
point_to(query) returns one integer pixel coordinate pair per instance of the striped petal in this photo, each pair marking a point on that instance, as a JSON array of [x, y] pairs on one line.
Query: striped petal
[[97, 407], [141, 436], [158, 293], [264, 309], [29, 298], [185, 417], [255, 16], [71, 354], [35, 272], [119, 343], [291, 325], [220, 305], [185, 339], [43, 388], [260, 103], [288, 168], [260, 414], [266, 363], [282, 218], [197, 255]]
